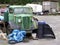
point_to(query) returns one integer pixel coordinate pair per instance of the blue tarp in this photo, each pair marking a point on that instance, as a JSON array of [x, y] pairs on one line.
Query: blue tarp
[[17, 35]]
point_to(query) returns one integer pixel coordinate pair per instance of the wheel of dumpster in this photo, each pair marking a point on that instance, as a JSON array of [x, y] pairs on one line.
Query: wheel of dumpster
[[29, 35]]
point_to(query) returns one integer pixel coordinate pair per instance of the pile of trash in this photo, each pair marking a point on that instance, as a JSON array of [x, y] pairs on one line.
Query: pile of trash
[[16, 36]]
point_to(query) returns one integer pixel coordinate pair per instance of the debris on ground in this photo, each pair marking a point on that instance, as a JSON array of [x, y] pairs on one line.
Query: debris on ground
[[3, 35], [16, 36]]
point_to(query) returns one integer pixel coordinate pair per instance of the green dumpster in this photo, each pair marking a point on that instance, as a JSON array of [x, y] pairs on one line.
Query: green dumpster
[[20, 17]]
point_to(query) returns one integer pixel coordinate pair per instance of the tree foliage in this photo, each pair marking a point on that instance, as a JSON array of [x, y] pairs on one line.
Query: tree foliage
[[22, 2]]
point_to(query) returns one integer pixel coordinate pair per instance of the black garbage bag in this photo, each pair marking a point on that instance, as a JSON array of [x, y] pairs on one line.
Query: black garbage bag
[[48, 32], [44, 31]]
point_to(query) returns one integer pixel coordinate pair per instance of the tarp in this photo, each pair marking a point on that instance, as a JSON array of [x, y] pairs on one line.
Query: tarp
[[1, 17], [17, 35]]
